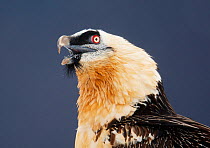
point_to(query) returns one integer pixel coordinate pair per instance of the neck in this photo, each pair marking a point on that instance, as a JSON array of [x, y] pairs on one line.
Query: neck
[[156, 105], [111, 88]]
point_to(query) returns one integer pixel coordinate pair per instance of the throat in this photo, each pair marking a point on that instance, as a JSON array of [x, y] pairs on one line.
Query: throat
[[110, 90], [102, 96]]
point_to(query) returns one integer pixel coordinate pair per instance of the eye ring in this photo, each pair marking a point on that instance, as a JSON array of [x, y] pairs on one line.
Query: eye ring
[[95, 39]]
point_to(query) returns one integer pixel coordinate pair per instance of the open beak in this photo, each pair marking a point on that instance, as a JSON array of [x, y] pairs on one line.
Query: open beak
[[64, 41]]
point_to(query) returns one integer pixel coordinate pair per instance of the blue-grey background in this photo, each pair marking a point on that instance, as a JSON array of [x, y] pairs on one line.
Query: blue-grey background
[[37, 100]]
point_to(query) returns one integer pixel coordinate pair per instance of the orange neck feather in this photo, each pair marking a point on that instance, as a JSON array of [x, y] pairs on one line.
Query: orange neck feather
[[109, 87]]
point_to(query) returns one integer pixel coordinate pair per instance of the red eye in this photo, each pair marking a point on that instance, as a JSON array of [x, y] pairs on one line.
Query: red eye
[[95, 39]]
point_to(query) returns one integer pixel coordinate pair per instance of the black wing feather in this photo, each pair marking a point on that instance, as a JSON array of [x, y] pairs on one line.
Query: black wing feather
[[168, 131], [156, 117]]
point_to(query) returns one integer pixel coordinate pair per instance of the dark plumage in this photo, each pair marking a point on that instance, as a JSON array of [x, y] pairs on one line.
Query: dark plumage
[[158, 124]]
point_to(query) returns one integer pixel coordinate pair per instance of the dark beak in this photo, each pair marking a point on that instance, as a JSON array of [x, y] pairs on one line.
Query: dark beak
[[64, 41]]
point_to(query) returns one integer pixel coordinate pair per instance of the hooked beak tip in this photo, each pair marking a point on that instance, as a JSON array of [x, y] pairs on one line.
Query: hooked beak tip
[[62, 41], [59, 49]]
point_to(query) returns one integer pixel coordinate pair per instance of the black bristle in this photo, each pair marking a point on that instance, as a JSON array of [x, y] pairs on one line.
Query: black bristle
[[70, 68]]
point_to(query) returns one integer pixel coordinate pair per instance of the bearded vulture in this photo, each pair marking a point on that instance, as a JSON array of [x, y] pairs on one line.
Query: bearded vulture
[[122, 103]]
